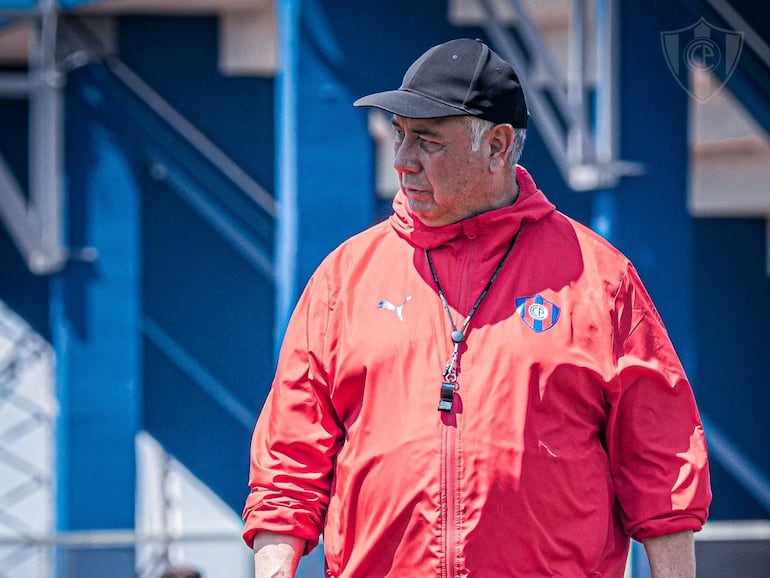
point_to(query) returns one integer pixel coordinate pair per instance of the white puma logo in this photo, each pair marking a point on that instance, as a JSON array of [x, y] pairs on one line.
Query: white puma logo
[[398, 309]]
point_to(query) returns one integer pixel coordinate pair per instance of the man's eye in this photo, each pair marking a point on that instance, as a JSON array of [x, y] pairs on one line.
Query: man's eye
[[430, 145]]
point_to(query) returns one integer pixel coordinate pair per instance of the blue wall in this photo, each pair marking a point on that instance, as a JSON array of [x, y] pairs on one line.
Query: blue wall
[[207, 313], [732, 320]]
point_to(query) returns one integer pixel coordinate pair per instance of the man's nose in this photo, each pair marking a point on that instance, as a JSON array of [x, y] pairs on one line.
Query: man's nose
[[405, 161]]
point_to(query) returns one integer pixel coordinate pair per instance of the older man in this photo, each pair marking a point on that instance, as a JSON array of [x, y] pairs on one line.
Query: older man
[[479, 386]]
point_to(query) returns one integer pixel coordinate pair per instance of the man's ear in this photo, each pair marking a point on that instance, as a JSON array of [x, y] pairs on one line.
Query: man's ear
[[500, 143]]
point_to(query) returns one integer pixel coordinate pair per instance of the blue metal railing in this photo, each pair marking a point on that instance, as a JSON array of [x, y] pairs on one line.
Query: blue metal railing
[[227, 200], [184, 360], [229, 228], [735, 461]]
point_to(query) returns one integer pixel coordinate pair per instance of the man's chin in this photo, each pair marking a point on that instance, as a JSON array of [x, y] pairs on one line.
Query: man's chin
[[429, 219], [419, 210]]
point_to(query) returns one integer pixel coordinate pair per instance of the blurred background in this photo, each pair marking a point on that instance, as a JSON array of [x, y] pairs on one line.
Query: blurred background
[[172, 171]]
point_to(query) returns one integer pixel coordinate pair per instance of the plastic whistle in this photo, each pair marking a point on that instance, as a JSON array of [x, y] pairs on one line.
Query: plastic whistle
[[447, 396]]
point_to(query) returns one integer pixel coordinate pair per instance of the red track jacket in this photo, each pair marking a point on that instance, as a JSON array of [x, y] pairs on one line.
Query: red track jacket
[[573, 425]]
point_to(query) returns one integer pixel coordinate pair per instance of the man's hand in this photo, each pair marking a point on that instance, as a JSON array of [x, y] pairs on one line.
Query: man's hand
[[671, 556], [276, 555]]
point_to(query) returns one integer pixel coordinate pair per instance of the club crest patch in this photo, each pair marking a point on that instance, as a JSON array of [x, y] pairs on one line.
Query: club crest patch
[[537, 313]]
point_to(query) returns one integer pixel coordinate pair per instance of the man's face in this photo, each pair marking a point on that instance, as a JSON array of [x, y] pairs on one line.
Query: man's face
[[443, 180]]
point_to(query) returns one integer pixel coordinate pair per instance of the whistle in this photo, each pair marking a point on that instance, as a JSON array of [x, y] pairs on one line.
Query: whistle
[[447, 396]]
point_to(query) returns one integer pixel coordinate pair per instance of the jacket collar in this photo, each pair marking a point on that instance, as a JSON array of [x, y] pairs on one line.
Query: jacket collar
[[497, 225]]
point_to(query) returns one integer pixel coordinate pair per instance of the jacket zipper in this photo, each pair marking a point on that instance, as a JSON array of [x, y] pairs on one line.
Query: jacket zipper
[[450, 511], [451, 508]]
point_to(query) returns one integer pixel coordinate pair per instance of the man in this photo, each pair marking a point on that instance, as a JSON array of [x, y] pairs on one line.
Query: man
[[479, 386]]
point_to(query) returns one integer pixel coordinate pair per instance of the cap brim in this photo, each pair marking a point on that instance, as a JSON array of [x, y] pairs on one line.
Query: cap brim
[[409, 105]]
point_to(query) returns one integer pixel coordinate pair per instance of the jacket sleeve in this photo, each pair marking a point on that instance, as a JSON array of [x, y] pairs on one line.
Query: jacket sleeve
[[655, 437], [297, 435]]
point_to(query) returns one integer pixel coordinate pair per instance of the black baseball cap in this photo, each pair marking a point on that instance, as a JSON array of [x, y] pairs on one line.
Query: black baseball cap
[[461, 77]]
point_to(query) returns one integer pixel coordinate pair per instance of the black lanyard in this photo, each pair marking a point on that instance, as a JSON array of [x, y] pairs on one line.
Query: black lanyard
[[458, 336]]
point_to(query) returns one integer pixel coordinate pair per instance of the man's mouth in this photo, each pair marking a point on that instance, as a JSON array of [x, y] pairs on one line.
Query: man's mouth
[[413, 191]]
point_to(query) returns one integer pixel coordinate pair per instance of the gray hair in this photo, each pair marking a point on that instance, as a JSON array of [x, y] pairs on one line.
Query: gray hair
[[479, 127]]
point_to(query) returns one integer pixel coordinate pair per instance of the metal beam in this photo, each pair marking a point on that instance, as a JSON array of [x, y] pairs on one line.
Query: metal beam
[[286, 234], [36, 224], [584, 153], [95, 324]]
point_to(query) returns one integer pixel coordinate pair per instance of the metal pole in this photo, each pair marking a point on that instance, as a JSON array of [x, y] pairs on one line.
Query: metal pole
[[605, 139], [576, 83], [286, 229], [606, 80], [45, 154]]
